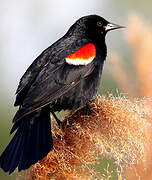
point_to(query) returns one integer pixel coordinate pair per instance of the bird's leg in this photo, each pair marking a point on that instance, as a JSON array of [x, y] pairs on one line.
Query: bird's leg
[[88, 109], [57, 119]]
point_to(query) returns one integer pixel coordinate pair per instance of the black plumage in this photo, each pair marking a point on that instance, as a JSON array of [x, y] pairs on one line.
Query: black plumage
[[51, 84]]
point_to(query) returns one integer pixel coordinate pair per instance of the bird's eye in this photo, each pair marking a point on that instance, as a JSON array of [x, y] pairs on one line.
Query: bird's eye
[[99, 23]]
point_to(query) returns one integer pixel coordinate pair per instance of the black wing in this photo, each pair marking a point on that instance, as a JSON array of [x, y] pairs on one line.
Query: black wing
[[43, 82], [64, 46], [51, 84], [29, 77]]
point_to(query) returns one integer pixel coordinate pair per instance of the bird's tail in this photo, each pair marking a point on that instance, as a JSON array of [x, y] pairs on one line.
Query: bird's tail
[[32, 142]]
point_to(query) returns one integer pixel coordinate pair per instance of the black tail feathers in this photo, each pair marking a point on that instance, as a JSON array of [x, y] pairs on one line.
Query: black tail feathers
[[32, 142]]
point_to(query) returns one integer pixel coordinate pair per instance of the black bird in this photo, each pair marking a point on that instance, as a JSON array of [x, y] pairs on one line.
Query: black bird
[[64, 76]]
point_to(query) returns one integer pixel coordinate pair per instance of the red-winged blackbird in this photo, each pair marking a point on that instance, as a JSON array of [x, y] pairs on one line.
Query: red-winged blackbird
[[64, 76]]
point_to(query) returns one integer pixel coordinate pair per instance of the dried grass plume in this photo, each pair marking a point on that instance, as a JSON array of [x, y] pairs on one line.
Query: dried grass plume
[[117, 127]]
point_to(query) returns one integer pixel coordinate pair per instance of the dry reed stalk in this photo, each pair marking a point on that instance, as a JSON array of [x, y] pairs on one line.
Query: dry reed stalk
[[139, 37], [117, 70]]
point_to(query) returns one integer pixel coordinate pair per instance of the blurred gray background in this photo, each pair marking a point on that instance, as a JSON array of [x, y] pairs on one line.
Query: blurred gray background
[[27, 27]]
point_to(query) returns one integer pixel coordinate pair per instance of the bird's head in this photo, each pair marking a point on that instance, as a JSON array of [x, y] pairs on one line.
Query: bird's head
[[95, 26]]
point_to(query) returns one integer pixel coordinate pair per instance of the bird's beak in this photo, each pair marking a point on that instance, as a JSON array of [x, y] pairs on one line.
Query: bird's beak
[[111, 26]]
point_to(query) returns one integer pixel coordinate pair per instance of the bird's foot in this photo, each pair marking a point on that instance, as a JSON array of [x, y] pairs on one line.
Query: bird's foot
[[59, 122], [88, 110]]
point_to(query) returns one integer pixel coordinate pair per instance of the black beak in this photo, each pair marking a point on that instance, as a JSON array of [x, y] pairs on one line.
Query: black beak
[[111, 26]]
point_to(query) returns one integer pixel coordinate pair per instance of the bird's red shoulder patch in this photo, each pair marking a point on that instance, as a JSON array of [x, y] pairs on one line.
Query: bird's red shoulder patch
[[83, 56]]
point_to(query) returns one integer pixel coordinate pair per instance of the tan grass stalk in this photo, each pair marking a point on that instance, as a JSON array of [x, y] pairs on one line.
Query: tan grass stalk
[[139, 37], [117, 70]]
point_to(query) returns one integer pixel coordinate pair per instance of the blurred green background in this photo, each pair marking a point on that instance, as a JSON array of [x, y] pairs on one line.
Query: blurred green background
[[28, 27]]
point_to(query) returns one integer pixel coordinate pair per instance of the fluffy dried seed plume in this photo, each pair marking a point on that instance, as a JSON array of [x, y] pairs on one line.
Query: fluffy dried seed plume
[[116, 127]]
